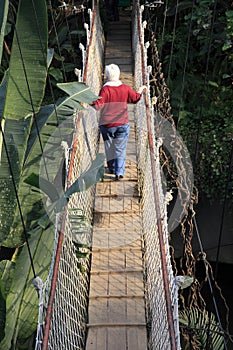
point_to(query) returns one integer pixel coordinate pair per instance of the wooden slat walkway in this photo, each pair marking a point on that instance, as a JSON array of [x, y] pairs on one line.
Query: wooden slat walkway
[[116, 319]]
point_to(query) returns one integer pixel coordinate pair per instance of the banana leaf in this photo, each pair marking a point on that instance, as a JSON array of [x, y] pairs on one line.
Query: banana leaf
[[21, 298], [4, 5], [79, 92], [28, 62], [94, 174], [22, 90], [44, 156], [87, 179], [6, 272]]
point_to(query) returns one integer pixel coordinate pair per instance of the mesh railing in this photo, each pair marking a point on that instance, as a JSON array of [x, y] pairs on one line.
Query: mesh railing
[[161, 292], [64, 295]]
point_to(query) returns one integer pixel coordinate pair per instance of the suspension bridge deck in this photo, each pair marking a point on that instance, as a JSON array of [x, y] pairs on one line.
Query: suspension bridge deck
[[116, 319]]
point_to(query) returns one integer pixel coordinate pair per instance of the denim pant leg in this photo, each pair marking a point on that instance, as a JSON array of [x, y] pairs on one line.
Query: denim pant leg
[[108, 138], [120, 144]]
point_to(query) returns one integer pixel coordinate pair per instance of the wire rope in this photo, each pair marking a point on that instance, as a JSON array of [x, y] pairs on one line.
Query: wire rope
[[70, 37], [173, 41], [205, 82], [185, 64], [163, 31], [57, 39]]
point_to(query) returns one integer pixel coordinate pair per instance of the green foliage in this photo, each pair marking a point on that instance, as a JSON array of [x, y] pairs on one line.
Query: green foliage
[[22, 91], [198, 75], [17, 289], [4, 5]]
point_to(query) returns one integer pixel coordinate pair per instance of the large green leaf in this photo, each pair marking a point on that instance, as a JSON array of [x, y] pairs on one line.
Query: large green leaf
[[2, 99], [78, 92], [28, 62], [4, 4], [6, 272], [22, 298], [89, 177], [8, 188], [54, 124], [22, 90], [3, 92]]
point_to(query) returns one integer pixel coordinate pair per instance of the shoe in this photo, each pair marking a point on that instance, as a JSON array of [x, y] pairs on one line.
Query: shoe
[[118, 177]]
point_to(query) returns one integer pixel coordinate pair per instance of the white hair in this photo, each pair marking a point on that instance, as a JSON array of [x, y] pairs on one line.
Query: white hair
[[112, 72]]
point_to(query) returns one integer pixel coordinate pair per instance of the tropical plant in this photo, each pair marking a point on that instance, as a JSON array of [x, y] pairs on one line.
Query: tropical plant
[[200, 330], [198, 71], [25, 130]]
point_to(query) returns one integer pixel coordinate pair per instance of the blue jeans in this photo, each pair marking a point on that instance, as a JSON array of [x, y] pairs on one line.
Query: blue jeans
[[115, 143]]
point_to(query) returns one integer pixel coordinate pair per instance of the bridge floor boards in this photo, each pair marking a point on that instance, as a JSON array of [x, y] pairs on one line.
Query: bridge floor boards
[[116, 317]]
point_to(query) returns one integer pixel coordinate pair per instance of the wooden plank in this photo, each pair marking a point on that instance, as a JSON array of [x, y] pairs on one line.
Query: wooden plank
[[116, 338], [116, 285], [134, 338], [116, 303], [118, 259], [116, 311], [97, 339], [111, 204], [137, 338], [114, 238]]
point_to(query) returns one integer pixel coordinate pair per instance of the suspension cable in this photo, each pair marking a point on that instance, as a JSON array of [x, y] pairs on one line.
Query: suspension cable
[[185, 63], [173, 41], [57, 39], [205, 82], [163, 32]]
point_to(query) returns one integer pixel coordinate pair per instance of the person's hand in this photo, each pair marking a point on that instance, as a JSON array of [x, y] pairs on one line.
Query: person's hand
[[142, 89], [83, 104]]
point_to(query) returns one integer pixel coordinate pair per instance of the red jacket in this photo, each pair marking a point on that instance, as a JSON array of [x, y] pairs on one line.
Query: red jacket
[[113, 104]]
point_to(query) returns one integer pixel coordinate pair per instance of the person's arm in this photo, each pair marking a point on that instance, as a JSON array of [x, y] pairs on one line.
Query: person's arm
[[99, 104], [142, 89], [134, 96]]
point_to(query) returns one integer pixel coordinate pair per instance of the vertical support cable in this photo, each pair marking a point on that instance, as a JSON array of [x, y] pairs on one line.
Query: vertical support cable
[[156, 196]]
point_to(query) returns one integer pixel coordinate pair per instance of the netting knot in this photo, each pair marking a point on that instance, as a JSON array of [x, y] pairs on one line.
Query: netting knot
[[159, 142], [38, 283], [168, 197], [201, 256]]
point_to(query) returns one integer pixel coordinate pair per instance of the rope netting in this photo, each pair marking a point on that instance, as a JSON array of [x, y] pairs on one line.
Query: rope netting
[[64, 295], [161, 290]]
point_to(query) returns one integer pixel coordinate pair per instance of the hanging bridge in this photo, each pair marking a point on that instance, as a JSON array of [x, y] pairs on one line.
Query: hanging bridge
[[125, 294]]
